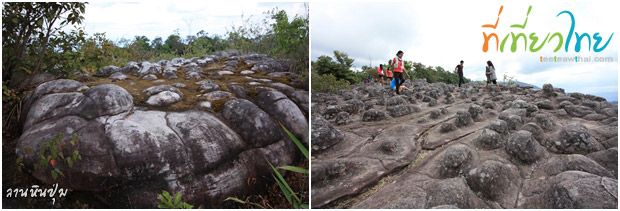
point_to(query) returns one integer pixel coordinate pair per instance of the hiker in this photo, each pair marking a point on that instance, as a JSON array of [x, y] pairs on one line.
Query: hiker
[[399, 68], [380, 72], [490, 72], [459, 70], [388, 71]]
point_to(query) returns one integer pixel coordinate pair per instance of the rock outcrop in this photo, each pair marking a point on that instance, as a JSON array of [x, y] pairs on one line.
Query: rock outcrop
[[129, 132], [507, 147]]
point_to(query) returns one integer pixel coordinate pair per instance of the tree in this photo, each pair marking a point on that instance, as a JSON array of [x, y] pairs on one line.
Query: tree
[[96, 52], [31, 34], [290, 38], [157, 44], [174, 45], [341, 68], [140, 48], [142, 42], [343, 59]]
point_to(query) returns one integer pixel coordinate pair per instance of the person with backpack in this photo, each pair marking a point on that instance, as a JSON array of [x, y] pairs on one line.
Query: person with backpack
[[399, 68], [459, 71], [490, 72], [380, 73]]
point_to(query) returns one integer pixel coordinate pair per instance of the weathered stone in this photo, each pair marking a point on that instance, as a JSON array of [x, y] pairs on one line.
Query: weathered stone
[[253, 124], [489, 139], [149, 77], [107, 71], [447, 127], [164, 98], [342, 118], [372, 115], [476, 112], [462, 119], [455, 160], [574, 138], [324, 135], [118, 76], [493, 179], [523, 147]]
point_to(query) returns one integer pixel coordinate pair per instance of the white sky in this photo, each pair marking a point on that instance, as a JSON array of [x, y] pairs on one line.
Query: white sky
[[126, 19], [441, 33]]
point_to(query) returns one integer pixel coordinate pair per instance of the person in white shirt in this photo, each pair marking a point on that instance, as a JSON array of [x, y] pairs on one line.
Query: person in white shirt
[[490, 73]]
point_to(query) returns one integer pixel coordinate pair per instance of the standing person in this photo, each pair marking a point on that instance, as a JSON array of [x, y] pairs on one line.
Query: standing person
[[388, 72], [488, 75], [459, 70], [490, 72], [380, 73], [399, 68]]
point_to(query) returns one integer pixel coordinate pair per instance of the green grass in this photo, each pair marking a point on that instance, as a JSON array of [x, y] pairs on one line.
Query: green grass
[[291, 196], [167, 201]]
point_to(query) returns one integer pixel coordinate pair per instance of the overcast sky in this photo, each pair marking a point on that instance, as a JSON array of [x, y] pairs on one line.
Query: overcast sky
[[126, 19], [441, 33]]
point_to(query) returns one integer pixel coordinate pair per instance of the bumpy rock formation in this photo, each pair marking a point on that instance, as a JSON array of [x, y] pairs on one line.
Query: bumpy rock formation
[[185, 133], [439, 147]]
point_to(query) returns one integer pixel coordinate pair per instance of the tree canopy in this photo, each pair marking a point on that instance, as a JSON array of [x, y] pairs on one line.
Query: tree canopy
[[48, 37]]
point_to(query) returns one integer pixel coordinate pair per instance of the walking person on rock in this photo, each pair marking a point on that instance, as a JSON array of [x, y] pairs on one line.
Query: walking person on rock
[[490, 72], [388, 72], [459, 70], [399, 69], [380, 73]]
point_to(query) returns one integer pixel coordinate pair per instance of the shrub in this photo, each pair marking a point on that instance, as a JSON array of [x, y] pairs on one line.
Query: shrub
[[327, 83]]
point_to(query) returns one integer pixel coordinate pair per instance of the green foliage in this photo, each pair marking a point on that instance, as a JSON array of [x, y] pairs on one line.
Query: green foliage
[[291, 38], [166, 201], [11, 108], [174, 45], [202, 44], [246, 201], [285, 188], [291, 196], [32, 39], [96, 52], [327, 83], [140, 49], [296, 141], [340, 67], [19, 162], [37, 38], [8, 94], [52, 153], [275, 36]]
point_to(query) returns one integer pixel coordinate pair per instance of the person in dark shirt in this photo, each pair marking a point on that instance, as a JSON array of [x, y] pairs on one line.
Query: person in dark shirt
[[459, 70]]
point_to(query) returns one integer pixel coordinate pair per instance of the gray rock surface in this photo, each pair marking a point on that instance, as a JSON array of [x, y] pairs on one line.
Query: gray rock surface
[[141, 137], [507, 148]]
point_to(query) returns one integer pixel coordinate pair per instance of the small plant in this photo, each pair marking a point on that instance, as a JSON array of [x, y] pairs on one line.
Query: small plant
[[289, 194], [52, 152], [246, 201], [285, 188], [166, 201], [20, 164], [509, 80], [12, 99]]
